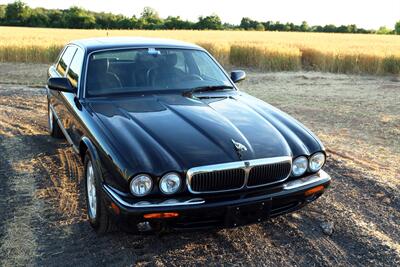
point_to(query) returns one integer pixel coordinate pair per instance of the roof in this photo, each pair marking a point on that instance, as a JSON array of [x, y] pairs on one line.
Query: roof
[[94, 44]]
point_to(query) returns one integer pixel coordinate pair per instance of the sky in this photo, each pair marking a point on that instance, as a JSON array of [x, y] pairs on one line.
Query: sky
[[370, 14]]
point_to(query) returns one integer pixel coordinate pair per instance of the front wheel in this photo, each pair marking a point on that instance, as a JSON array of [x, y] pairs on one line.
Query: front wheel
[[99, 218]]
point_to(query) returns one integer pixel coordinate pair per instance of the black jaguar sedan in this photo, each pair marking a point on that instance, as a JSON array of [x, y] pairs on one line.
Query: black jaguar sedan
[[168, 140]]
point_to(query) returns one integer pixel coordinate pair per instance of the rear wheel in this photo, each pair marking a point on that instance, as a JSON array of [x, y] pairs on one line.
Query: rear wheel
[[99, 217], [53, 127]]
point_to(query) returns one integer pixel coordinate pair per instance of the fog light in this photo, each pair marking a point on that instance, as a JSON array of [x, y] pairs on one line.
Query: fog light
[[161, 215], [144, 227]]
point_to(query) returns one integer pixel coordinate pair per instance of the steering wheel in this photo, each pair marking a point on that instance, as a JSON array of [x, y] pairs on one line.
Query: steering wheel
[[190, 77]]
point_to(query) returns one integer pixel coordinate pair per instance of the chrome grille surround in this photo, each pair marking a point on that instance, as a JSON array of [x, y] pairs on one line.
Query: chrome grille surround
[[246, 165]]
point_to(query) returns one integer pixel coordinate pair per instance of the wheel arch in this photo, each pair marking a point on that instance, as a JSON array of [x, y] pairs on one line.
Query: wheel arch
[[86, 145]]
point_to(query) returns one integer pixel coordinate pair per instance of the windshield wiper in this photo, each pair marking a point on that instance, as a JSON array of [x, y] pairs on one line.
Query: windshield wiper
[[206, 88]]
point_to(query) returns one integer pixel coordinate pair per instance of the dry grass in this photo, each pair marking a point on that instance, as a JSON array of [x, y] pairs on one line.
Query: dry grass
[[343, 53]]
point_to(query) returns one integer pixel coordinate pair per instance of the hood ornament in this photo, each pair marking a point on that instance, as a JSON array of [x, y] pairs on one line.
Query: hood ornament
[[239, 148]]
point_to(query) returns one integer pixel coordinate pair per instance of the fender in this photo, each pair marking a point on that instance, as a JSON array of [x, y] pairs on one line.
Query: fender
[[93, 152]]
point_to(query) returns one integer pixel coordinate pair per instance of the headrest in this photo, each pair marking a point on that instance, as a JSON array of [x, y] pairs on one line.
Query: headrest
[[99, 65], [171, 60]]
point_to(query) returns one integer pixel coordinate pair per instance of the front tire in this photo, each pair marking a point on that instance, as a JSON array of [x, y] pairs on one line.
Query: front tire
[[99, 217], [53, 127]]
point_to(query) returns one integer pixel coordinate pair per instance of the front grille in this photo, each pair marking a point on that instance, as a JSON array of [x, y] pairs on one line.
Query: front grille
[[233, 176], [266, 174], [218, 180]]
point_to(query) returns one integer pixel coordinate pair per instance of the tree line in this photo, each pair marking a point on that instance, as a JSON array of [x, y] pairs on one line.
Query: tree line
[[19, 14]]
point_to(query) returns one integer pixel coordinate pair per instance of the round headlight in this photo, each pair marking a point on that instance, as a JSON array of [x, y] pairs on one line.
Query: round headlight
[[170, 183], [141, 185], [316, 161], [300, 165]]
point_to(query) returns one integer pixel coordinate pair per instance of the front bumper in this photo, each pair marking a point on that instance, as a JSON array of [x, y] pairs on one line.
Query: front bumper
[[221, 211]]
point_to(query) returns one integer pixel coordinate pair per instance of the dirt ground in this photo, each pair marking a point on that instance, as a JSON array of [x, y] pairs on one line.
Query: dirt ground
[[42, 219]]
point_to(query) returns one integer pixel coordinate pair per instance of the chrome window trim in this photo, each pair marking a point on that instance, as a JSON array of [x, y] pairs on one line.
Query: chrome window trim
[[148, 204], [245, 165]]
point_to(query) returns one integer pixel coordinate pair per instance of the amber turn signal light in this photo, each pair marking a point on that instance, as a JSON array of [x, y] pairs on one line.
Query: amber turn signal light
[[314, 190], [115, 208], [161, 215]]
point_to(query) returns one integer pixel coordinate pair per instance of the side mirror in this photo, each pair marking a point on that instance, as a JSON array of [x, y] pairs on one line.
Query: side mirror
[[238, 76], [61, 84]]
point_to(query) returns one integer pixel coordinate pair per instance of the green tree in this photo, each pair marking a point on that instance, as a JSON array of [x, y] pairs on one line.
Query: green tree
[[123, 22], [56, 18], [304, 26], [177, 23], [16, 13], [149, 13], [2, 12], [212, 22], [278, 26], [384, 30], [330, 28], [38, 18], [260, 27], [397, 27], [229, 26], [341, 29], [76, 17], [352, 28], [149, 19], [248, 24], [287, 27], [105, 20]]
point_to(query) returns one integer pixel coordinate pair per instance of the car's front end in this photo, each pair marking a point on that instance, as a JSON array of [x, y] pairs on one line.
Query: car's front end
[[221, 195]]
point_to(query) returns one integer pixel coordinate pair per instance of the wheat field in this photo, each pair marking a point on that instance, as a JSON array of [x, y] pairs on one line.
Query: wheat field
[[270, 51]]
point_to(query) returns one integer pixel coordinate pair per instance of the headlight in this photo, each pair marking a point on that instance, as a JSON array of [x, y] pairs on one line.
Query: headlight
[[170, 183], [300, 166], [141, 185], [316, 161]]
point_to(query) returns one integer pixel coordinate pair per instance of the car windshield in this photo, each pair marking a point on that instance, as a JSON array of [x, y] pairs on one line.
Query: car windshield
[[150, 69]]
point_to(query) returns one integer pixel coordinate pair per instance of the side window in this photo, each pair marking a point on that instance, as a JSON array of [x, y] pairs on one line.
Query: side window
[[75, 68], [65, 60]]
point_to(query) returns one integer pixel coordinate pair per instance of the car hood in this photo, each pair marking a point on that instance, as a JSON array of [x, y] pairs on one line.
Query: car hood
[[170, 132]]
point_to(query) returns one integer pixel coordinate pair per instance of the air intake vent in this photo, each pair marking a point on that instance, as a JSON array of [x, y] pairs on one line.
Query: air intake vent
[[266, 174], [218, 180]]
